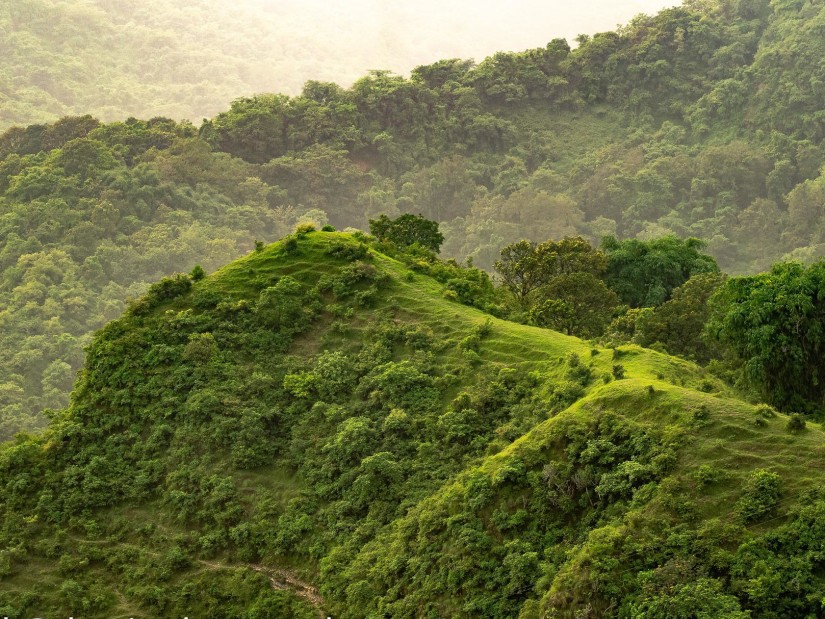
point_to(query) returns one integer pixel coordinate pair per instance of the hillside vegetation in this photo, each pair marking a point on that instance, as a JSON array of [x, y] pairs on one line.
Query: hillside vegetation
[[321, 414], [702, 121]]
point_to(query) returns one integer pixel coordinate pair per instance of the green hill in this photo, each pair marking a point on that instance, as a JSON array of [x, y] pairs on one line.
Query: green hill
[[702, 121], [319, 428]]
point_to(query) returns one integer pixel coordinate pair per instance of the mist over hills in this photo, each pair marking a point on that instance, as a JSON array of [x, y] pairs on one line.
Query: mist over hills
[[115, 59]]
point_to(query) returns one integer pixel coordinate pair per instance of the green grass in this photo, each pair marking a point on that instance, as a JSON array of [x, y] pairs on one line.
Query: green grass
[[729, 440]]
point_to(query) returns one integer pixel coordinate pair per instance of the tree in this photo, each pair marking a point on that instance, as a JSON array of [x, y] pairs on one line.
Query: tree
[[408, 230], [524, 266], [519, 270], [772, 324], [576, 303], [645, 273], [570, 255], [679, 324]]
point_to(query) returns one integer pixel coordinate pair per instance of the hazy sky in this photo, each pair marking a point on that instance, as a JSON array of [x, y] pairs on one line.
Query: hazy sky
[[409, 32], [345, 38], [190, 59]]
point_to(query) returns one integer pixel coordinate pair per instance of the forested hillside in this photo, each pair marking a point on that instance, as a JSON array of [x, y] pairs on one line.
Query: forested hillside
[[701, 121], [556, 362], [323, 429], [119, 58]]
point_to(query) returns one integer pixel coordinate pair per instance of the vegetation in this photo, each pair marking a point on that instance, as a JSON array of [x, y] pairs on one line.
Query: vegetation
[[311, 414], [664, 127], [345, 423]]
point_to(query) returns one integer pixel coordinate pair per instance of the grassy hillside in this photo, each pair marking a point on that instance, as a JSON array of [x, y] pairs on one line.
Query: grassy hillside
[[320, 428]]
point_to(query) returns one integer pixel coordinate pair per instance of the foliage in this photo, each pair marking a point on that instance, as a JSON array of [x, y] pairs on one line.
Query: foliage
[[645, 273], [578, 304], [408, 230], [264, 425], [678, 324], [762, 493], [772, 323]]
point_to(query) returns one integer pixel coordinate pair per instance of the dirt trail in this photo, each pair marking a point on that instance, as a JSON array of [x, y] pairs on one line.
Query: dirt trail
[[283, 580]]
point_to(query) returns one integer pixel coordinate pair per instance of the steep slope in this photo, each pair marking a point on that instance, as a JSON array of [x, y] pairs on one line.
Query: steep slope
[[320, 414]]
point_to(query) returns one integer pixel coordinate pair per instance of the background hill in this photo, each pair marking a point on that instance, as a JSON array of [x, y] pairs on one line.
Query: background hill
[[417, 455], [114, 59]]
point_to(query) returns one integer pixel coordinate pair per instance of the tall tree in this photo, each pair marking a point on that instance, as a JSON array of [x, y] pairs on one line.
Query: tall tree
[[774, 323], [645, 273], [408, 230]]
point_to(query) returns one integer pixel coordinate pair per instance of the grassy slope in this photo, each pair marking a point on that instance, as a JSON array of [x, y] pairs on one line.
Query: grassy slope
[[728, 439]]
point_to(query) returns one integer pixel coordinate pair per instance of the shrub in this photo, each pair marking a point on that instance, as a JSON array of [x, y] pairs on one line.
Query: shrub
[[347, 251], [761, 495], [577, 371], [259, 245], [706, 386], [290, 244], [702, 413], [197, 273], [618, 371], [796, 423], [306, 228], [327, 228], [766, 411], [707, 474], [565, 393], [165, 290]]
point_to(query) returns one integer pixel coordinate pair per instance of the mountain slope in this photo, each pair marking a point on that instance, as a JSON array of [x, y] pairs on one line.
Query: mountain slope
[[320, 412]]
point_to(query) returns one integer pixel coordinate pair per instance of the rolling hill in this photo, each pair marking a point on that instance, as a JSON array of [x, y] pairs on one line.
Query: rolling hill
[[321, 428]]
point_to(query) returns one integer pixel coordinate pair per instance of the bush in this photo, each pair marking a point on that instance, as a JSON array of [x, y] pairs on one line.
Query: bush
[[165, 290], [197, 273], [765, 411], [327, 228], [290, 244], [796, 423], [707, 474], [347, 251], [618, 371], [761, 495], [702, 413], [302, 229]]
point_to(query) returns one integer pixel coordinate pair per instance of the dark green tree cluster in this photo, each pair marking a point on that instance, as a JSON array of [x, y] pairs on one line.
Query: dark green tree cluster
[[773, 324], [408, 230], [570, 286]]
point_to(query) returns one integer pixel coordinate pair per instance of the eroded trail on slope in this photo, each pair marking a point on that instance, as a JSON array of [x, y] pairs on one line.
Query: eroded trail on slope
[[282, 580]]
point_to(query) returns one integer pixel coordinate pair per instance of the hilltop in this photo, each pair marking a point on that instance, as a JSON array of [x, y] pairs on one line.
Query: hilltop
[[321, 427]]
